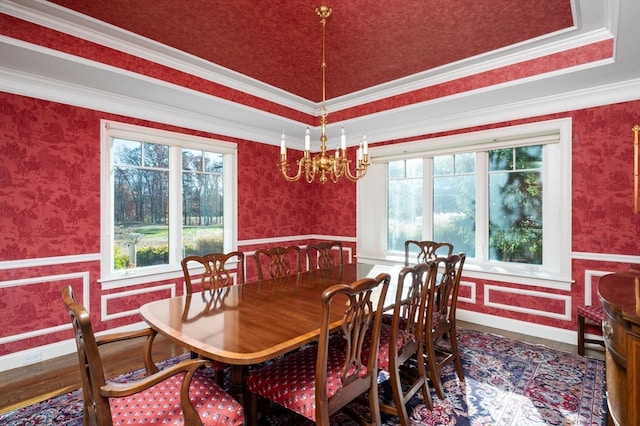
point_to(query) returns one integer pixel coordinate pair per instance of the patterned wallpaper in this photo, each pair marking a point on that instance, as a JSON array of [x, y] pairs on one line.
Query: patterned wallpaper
[[50, 204]]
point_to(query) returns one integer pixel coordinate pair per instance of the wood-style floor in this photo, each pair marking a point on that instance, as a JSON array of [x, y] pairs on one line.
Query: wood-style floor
[[43, 380], [37, 382]]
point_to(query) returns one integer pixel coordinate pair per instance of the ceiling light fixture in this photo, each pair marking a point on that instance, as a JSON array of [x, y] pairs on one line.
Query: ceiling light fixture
[[327, 165]]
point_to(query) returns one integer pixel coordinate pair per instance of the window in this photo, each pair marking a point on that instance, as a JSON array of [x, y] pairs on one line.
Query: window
[[501, 196], [165, 196]]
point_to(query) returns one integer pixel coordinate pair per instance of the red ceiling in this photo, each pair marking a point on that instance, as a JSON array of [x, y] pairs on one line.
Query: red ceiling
[[368, 42]]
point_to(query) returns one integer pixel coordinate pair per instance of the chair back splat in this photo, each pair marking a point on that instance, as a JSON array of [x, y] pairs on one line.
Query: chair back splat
[[440, 321], [320, 380], [215, 271], [425, 251], [190, 395], [278, 262], [325, 255], [218, 270]]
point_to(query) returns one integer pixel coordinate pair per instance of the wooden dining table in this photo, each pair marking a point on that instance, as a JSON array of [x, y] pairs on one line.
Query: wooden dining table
[[250, 323]]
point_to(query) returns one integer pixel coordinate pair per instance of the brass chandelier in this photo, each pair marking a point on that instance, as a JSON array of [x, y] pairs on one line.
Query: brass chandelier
[[326, 165]]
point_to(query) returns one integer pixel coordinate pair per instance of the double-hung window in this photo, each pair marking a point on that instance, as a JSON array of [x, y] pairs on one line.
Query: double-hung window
[[501, 196], [165, 196]]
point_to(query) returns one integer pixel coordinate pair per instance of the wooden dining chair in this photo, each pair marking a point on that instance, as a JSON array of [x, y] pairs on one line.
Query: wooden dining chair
[[319, 380], [215, 270], [400, 341], [440, 319], [425, 251], [278, 261], [188, 395], [325, 255], [589, 316]]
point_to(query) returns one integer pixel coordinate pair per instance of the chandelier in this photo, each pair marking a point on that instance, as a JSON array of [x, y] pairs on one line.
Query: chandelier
[[327, 165]]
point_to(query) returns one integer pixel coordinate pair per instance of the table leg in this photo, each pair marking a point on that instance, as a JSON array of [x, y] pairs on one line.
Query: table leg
[[238, 390], [238, 380]]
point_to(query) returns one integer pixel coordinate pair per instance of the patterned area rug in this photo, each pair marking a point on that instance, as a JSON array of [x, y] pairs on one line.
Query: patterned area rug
[[507, 383]]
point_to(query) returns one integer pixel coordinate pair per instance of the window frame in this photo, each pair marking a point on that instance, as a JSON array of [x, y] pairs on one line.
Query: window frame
[[109, 130], [555, 135]]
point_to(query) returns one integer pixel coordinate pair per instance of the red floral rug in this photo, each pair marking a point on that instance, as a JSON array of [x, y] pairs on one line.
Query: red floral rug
[[506, 383]]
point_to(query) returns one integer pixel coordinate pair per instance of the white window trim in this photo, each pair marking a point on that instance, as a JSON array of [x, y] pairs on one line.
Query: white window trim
[[371, 231], [110, 130]]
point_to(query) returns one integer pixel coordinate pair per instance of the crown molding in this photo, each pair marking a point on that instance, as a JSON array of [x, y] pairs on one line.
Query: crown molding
[[595, 24], [255, 125], [89, 84], [58, 18]]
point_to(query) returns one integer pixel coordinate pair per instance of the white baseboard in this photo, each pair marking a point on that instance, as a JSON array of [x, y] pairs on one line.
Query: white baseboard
[[53, 350]]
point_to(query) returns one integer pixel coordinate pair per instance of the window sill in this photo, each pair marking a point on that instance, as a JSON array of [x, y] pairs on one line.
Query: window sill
[[493, 272], [140, 277]]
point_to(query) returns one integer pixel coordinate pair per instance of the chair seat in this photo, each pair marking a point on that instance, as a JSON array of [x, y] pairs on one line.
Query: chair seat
[[290, 381], [592, 312], [385, 342], [161, 403]]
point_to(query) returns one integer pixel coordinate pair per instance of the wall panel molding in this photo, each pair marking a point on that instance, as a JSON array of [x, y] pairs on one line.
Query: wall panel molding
[[566, 315], [590, 281], [472, 292], [48, 261], [73, 277], [104, 301]]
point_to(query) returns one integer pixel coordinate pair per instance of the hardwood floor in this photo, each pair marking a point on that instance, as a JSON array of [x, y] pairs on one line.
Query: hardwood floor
[[37, 382]]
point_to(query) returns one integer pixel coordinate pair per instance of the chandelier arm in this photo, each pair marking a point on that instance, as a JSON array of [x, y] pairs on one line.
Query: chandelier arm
[[284, 168], [361, 169]]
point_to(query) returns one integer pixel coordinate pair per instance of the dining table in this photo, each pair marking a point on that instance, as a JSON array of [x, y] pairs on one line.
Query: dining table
[[247, 324]]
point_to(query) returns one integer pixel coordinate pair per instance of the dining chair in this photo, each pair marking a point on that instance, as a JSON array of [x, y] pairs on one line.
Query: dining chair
[[215, 271], [425, 251], [589, 316], [440, 319], [218, 270], [182, 393], [323, 255], [401, 343], [319, 380], [278, 261]]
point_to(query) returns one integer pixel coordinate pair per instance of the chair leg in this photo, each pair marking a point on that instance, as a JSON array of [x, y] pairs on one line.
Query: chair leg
[[422, 371], [374, 402], [400, 408], [434, 373], [580, 335], [456, 354]]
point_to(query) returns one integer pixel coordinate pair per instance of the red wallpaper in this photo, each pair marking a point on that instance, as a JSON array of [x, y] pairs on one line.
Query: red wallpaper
[[268, 206], [603, 219], [49, 179], [49, 199]]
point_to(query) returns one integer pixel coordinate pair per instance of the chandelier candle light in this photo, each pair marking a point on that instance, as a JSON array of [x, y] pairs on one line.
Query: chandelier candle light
[[337, 165]]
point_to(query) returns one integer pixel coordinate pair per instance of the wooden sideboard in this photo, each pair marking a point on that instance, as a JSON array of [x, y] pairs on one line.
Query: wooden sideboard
[[620, 296]]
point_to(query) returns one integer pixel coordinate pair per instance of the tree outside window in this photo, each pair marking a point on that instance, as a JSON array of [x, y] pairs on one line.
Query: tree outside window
[[515, 204], [141, 203]]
